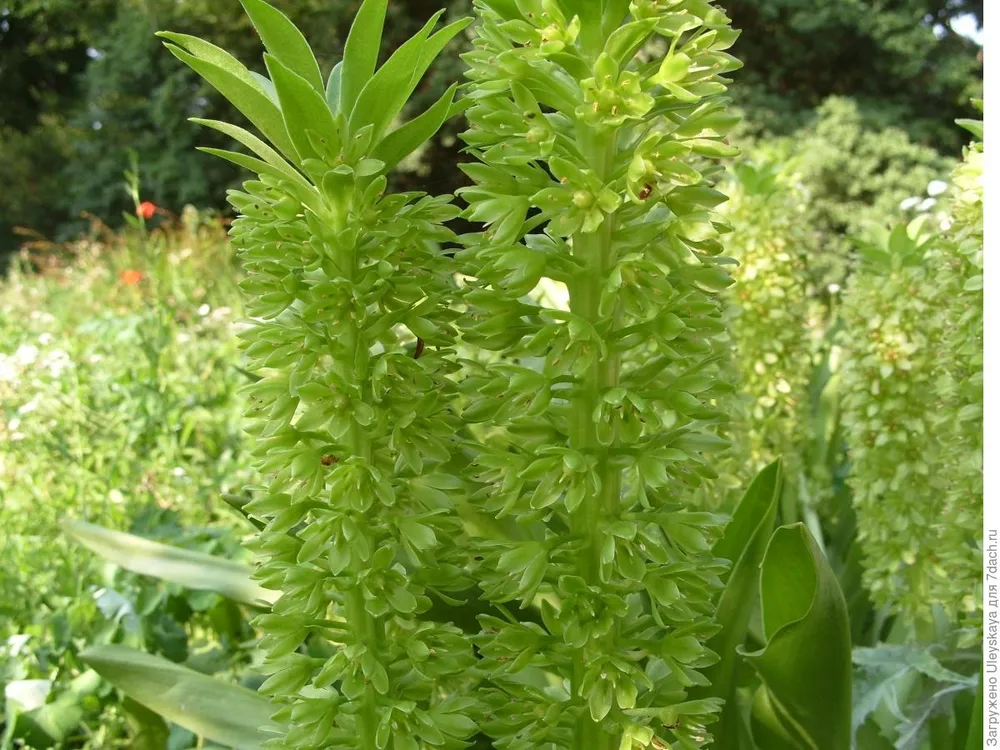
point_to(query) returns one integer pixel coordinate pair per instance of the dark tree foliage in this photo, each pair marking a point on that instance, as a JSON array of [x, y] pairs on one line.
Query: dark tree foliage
[[81, 83], [899, 58]]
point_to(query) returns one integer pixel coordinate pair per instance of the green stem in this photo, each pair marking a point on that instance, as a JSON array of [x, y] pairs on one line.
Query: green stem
[[597, 253], [365, 628]]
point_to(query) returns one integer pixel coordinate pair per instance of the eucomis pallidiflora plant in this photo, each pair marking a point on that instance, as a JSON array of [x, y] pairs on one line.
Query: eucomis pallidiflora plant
[[960, 285], [595, 170], [772, 324], [352, 425], [912, 383]]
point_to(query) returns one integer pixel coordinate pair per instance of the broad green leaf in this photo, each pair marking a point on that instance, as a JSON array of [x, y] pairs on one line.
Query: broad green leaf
[[743, 543], [216, 710], [194, 570], [248, 97], [361, 52], [256, 145], [804, 701], [403, 141], [303, 108], [149, 730], [284, 41]]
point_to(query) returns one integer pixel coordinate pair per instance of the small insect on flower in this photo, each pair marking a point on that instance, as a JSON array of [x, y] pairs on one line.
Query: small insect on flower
[[146, 210], [646, 192], [131, 277]]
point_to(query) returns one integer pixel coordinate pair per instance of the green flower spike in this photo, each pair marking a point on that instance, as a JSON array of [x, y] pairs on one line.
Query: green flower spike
[[601, 416], [352, 414]]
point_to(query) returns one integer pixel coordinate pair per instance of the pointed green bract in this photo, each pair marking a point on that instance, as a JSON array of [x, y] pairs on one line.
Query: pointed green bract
[[308, 120], [361, 52], [247, 96], [403, 141], [284, 41]]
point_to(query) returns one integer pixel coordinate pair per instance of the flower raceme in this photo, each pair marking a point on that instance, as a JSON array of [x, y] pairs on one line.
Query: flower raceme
[[596, 153], [354, 434], [596, 128]]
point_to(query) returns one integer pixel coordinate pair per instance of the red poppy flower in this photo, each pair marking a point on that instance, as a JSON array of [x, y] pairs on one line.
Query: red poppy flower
[[146, 210], [130, 276]]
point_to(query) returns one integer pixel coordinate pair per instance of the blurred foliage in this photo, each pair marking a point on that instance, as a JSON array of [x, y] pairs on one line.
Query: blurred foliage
[[118, 405], [913, 385], [852, 170], [901, 61], [83, 82], [93, 80]]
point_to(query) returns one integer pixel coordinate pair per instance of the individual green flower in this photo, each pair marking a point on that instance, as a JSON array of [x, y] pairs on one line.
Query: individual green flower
[[611, 97]]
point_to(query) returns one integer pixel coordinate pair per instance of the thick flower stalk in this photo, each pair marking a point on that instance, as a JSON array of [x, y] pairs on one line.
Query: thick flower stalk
[[351, 416], [595, 171]]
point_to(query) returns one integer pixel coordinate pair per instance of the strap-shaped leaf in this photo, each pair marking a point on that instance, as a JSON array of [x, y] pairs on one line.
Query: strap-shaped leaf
[[221, 712], [248, 98], [361, 52], [255, 144], [804, 700], [303, 108], [283, 40], [403, 141], [194, 570], [744, 543]]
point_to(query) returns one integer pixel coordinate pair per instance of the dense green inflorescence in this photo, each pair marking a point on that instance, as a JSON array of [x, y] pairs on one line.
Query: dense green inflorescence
[[351, 417], [595, 171], [912, 383], [893, 330], [960, 286], [774, 319]]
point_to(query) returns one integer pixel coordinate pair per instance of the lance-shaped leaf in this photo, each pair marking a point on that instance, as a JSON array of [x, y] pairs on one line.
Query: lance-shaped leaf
[[246, 94], [303, 108], [403, 141], [284, 41], [744, 543], [361, 52], [255, 144], [804, 701], [389, 89], [194, 570], [224, 713]]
